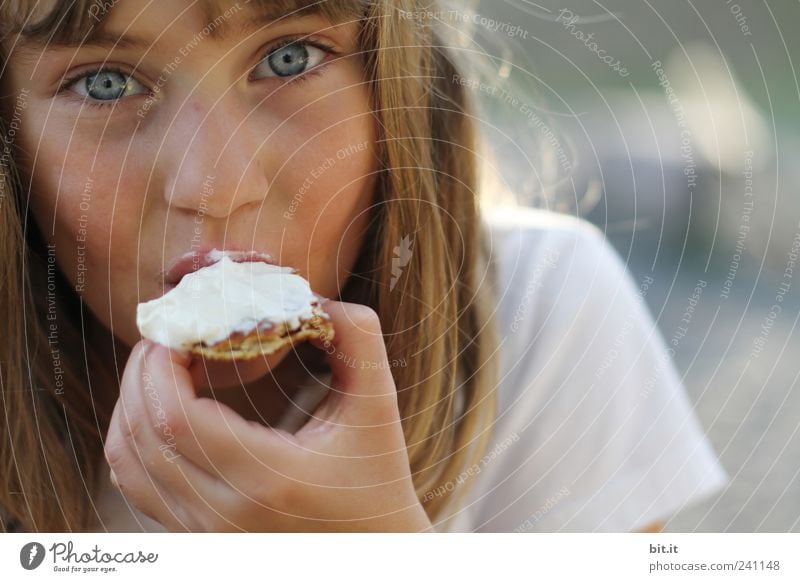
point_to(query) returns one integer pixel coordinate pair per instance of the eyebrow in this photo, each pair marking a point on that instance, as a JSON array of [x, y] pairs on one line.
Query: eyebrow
[[220, 27]]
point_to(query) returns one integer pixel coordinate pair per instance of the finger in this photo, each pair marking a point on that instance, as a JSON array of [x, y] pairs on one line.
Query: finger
[[149, 436], [356, 351], [209, 433], [129, 476], [154, 441], [364, 390]]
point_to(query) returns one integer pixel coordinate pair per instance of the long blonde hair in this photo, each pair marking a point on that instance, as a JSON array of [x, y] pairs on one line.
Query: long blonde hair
[[435, 311]]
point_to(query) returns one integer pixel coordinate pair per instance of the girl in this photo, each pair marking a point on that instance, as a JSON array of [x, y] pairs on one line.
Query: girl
[[491, 370]]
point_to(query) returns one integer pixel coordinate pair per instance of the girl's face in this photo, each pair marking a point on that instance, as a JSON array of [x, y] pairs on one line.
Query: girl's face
[[246, 131]]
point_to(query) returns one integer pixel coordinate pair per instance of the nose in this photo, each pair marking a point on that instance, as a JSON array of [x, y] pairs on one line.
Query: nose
[[214, 159]]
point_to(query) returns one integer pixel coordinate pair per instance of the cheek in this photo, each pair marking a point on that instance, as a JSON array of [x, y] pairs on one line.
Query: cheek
[[83, 198], [327, 184], [67, 198]]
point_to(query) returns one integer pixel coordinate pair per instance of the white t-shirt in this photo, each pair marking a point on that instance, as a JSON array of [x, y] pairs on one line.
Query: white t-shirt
[[594, 429]]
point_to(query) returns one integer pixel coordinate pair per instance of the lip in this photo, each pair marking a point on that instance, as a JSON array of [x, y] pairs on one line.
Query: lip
[[198, 259]]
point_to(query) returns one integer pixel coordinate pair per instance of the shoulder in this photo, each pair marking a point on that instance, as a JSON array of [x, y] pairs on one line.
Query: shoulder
[[557, 256], [594, 430], [510, 225], [505, 217], [560, 285]]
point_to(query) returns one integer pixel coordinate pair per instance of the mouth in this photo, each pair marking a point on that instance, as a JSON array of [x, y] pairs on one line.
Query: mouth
[[196, 260]]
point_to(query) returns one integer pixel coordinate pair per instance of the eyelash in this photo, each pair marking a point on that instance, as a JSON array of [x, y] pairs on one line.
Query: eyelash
[[88, 102], [296, 79], [303, 41]]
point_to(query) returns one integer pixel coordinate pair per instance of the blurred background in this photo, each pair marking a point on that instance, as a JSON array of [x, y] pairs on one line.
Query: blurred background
[[675, 127]]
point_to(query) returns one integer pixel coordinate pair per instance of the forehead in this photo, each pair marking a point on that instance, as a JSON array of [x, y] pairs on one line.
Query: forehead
[[74, 22]]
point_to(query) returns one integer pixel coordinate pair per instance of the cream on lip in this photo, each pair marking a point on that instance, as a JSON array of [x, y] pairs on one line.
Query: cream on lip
[[194, 260], [209, 304]]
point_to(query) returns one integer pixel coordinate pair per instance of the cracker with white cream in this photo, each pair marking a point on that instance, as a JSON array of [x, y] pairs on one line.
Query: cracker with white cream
[[235, 311]]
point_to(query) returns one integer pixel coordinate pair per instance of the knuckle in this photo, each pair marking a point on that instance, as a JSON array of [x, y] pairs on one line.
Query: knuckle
[[275, 494], [261, 491], [185, 520], [207, 522], [131, 426], [115, 452], [175, 424], [365, 318], [285, 495]]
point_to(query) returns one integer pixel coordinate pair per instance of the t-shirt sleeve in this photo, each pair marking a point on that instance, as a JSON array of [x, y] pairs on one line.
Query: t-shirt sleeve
[[594, 431]]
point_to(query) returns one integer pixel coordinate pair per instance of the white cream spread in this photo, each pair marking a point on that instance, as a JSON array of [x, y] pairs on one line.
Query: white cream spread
[[211, 303]]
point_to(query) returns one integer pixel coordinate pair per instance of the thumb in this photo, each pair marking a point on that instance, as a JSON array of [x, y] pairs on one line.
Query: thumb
[[356, 351]]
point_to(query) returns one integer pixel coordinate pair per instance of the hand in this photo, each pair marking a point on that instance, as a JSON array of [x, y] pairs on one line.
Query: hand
[[192, 463]]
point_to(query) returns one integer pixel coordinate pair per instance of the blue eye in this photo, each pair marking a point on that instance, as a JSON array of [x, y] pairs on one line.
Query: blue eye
[[290, 59], [107, 85]]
